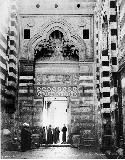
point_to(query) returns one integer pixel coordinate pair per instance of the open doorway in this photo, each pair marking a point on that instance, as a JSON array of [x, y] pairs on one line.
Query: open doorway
[[55, 113]]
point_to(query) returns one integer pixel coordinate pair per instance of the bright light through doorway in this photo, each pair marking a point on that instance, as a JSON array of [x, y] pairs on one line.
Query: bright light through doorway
[[56, 114], [60, 114]]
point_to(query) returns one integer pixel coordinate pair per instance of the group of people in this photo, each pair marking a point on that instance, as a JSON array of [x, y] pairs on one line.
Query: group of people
[[46, 136], [53, 135]]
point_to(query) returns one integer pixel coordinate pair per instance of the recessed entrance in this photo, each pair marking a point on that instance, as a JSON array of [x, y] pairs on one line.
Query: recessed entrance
[[55, 113]]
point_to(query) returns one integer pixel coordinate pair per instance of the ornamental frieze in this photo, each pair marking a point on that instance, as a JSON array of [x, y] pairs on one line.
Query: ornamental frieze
[[82, 109], [82, 118], [48, 91], [56, 79]]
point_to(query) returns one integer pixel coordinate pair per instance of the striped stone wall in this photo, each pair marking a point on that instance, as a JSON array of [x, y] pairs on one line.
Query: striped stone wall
[[97, 76], [114, 68], [8, 60], [26, 91], [106, 67], [4, 19], [13, 55], [121, 25], [105, 80], [102, 71], [86, 103], [82, 106], [121, 67]]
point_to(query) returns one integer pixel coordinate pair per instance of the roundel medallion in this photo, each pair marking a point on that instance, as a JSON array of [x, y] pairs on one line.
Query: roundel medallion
[[82, 22], [31, 23]]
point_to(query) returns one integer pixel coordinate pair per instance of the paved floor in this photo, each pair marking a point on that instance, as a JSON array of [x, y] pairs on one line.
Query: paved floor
[[54, 153]]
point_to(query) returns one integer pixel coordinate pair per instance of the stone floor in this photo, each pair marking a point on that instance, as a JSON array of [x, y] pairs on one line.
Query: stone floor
[[55, 153]]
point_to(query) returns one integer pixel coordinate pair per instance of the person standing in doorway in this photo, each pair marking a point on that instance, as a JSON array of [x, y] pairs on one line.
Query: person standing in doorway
[[49, 135], [57, 133], [41, 135], [64, 130], [54, 136], [44, 135]]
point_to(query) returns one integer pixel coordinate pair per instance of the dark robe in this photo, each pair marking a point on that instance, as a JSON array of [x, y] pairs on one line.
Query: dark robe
[[44, 136], [64, 133], [41, 135], [54, 136], [25, 139], [57, 134], [49, 136]]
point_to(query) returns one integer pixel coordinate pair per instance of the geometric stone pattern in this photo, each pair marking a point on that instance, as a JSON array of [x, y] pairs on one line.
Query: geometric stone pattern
[[56, 91]]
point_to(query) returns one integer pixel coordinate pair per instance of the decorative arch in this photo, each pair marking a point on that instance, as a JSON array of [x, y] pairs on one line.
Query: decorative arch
[[69, 35], [56, 28]]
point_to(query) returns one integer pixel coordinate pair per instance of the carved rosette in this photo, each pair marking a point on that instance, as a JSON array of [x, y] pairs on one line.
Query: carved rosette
[[82, 22]]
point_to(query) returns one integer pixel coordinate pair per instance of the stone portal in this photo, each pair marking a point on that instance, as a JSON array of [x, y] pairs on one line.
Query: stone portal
[[57, 62]]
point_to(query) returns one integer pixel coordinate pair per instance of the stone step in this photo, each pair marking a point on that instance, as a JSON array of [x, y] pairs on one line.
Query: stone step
[[89, 140], [66, 145], [56, 145]]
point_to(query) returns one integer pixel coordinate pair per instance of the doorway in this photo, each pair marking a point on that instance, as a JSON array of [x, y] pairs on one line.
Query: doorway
[[56, 113]]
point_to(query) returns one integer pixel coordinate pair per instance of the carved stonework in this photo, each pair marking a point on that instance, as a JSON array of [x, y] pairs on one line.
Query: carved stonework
[[121, 55], [89, 54], [61, 91], [41, 28], [31, 22], [82, 22], [25, 50], [82, 118], [82, 109], [56, 49], [57, 79], [86, 68]]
